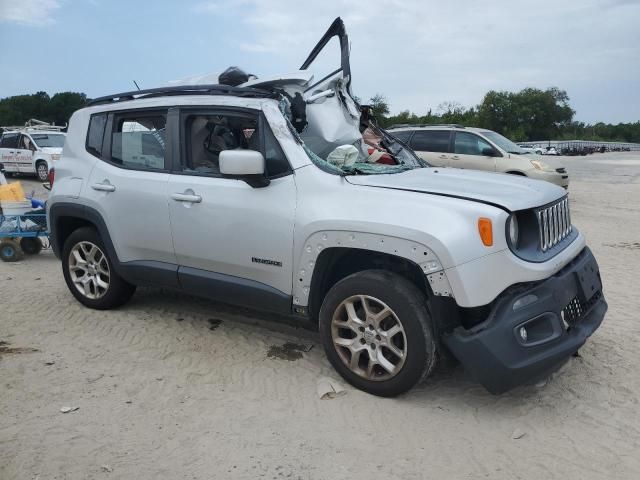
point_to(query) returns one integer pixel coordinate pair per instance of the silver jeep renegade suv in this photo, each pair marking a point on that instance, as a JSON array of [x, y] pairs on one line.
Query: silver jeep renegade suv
[[279, 194]]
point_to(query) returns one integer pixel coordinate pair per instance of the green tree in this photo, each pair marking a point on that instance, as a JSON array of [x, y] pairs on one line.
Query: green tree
[[16, 110], [530, 114], [379, 106], [62, 105]]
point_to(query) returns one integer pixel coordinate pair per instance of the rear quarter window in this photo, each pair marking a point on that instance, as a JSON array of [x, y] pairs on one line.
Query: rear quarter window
[[9, 140], [95, 134]]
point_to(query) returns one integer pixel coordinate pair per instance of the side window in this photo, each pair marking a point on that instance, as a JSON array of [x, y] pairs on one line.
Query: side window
[[207, 135], [25, 143], [402, 135], [95, 134], [9, 140], [430, 141], [138, 140], [470, 144]]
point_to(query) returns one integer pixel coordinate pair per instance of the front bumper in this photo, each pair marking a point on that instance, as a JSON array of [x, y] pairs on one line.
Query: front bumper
[[558, 314], [555, 177]]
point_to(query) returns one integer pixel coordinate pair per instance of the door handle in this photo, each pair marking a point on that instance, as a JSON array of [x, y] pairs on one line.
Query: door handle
[[443, 156], [186, 197], [104, 187], [456, 157]]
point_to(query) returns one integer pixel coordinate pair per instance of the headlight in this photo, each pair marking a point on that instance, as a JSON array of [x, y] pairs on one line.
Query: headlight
[[514, 233], [539, 165]]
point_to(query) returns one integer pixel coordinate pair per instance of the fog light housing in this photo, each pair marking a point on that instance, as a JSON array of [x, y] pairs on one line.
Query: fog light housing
[[538, 330]]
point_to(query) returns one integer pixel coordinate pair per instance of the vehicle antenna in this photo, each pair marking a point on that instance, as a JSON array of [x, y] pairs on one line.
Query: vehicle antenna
[[136, 84]]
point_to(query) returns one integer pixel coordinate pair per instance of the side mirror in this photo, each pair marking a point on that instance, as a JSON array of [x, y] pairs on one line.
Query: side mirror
[[489, 152], [246, 164]]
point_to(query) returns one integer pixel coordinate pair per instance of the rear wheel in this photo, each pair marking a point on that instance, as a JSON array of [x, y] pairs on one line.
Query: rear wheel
[[31, 245], [42, 171], [10, 250], [377, 332], [89, 272]]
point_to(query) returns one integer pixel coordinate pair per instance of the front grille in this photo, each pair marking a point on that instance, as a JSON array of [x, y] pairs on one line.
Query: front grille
[[554, 223]]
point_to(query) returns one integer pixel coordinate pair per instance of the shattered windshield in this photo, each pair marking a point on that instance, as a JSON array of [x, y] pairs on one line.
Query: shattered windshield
[[374, 153]]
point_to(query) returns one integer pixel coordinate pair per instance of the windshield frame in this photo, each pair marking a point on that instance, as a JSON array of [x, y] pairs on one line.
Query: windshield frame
[[503, 142], [36, 140]]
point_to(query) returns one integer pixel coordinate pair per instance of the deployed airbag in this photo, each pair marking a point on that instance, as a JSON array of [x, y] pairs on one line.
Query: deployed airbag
[[343, 156]]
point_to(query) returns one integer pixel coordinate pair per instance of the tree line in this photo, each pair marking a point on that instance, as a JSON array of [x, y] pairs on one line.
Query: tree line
[[528, 115], [56, 109]]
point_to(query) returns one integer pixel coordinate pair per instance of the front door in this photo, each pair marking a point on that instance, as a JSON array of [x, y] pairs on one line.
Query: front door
[[233, 241], [24, 154], [470, 151]]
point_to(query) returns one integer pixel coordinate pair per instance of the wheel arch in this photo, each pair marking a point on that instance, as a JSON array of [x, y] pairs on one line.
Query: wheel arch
[[329, 256], [65, 218], [335, 263]]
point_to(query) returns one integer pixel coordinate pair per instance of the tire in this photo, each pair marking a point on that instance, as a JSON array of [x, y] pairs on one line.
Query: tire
[[407, 309], [10, 250], [102, 288], [42, 171], [31, 245]]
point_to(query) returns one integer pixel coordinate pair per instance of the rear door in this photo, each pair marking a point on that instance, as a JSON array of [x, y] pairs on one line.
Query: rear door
[[433, 146], [8, 148], [470, 151], [129, 185]]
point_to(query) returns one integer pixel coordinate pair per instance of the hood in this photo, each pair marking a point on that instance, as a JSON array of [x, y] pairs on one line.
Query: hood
[[51, 150], [510, 192]]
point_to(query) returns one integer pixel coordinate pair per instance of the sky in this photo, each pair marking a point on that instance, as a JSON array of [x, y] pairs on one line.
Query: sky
[[417, 53]]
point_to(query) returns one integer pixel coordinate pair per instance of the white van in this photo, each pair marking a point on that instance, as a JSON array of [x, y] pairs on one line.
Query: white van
[[31, 149]]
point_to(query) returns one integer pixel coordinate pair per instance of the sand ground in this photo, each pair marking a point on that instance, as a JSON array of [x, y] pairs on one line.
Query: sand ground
[[175, 387]]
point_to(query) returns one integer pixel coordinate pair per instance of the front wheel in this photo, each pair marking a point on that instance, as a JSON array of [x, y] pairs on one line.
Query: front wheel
[[377, 332], [42, 171], [89, 272]]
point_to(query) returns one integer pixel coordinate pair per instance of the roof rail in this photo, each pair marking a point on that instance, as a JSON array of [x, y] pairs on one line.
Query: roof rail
[[34, 124], [422, 125], [210, 89]]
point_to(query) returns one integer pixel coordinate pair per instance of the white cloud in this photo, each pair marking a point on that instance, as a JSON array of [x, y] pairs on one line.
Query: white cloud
[[420, 53], [28, 12]]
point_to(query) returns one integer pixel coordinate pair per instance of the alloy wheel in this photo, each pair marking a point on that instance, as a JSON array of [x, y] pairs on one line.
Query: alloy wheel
[[89, 270], [369, 338], [42, 171]]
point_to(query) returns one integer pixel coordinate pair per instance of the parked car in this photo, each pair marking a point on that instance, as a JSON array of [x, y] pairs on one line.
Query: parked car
[[457, 146], [31, 149], [533, 150], [550, 151], [267, 195]]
